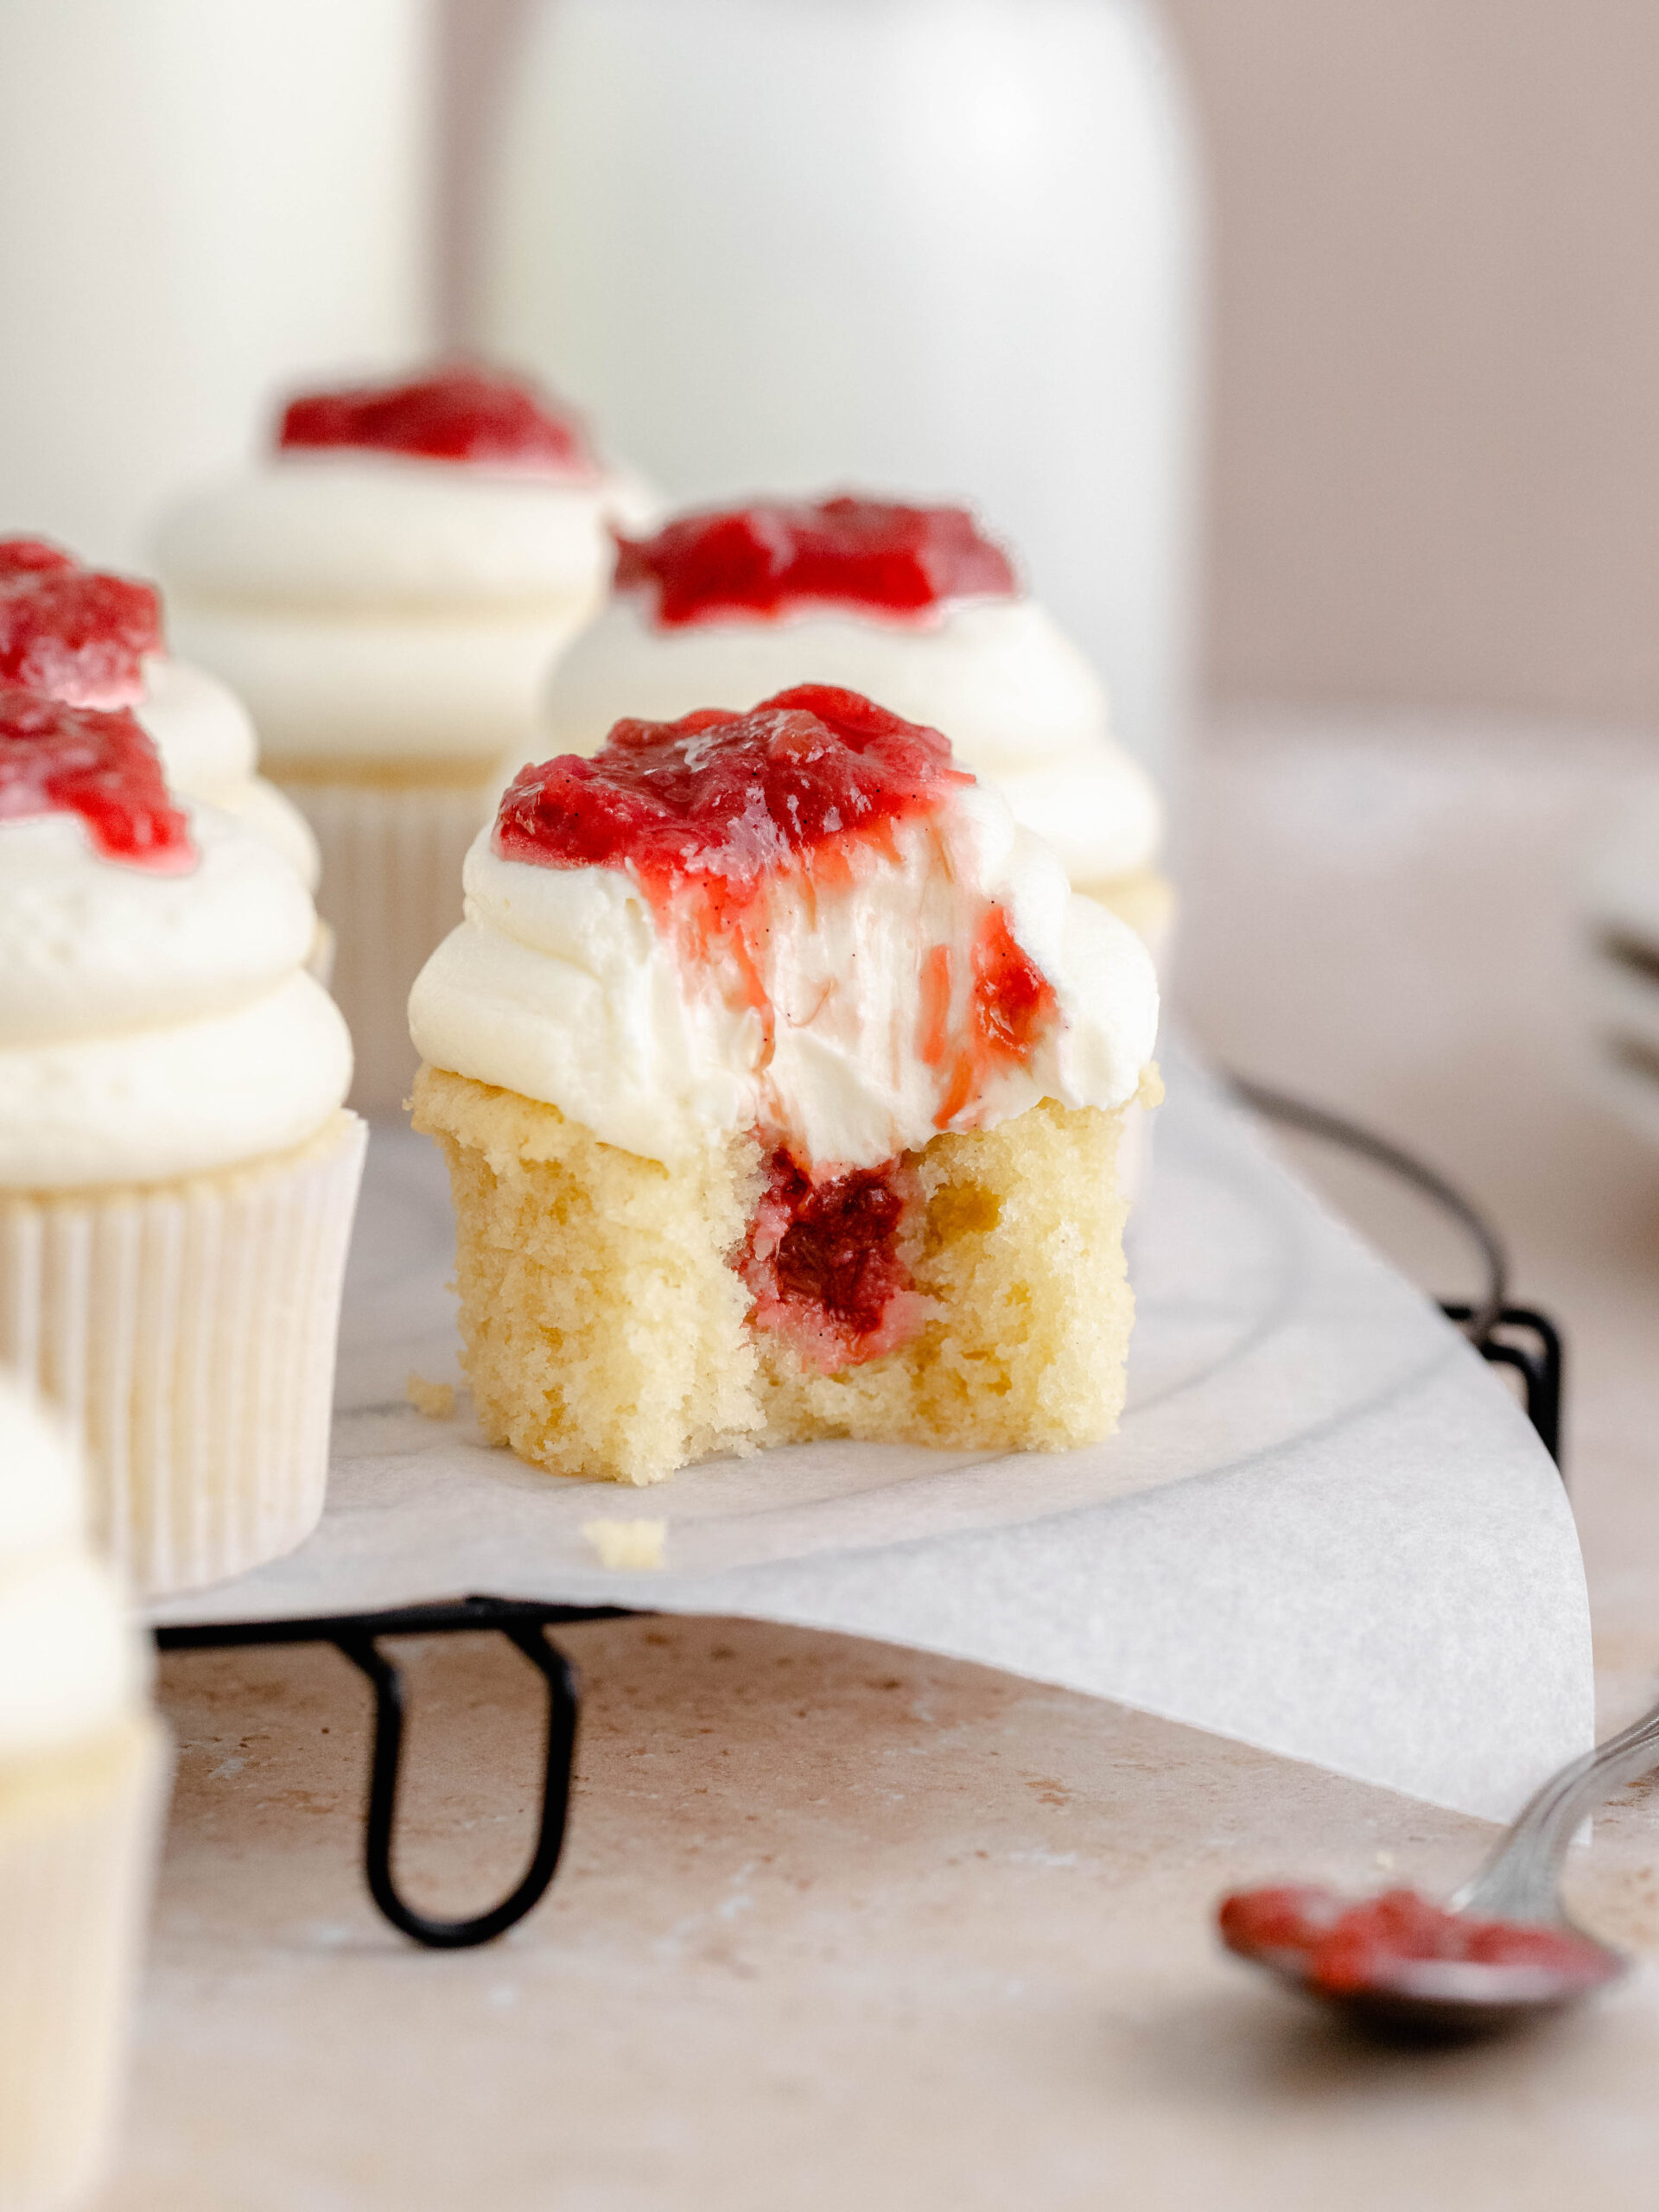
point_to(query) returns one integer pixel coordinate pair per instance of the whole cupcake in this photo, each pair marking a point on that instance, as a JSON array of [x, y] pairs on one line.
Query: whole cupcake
[[780, 1078], [177, 1176], [93, 639], [83, 1770], [915, 605], [386, 591]]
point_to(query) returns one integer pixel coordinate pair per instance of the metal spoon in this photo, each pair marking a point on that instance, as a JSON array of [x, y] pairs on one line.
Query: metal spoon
[[1519, 1885]]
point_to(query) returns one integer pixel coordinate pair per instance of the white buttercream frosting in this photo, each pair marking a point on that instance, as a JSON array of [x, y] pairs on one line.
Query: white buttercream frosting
[[154, 1026], [1018, 701], [70, 1664], [209, 751], [379, 605], [567, 985]]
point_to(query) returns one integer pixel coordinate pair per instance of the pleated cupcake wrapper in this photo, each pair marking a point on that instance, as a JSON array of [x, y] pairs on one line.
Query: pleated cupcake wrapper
[[390, 892], [78, 1837], [189, 1333]]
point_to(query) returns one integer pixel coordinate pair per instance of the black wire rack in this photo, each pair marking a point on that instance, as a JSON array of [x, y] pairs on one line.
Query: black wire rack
[[1514, 1336]]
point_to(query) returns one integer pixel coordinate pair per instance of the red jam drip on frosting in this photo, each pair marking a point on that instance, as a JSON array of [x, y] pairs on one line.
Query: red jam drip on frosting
[[1345, 1946], [62, 759], [74, 633], [461, 414], [776, 557], [829, 1262], [1010, 1004]]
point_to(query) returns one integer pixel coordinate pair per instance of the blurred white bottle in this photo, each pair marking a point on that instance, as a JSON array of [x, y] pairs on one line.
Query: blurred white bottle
[[200, 201], [945, 245]]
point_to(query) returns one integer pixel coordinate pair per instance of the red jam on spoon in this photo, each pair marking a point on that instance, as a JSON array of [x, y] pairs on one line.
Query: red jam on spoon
[[777, 556], [1395, 1942], [76, 634], [62, 759], [461, 414]]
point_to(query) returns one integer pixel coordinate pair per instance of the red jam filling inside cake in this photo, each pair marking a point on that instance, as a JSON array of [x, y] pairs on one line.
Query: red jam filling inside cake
[[827, 1261], [1343, 1946], [76, 634], [56, 759], [780, 556], [707, 814], [463, 414]]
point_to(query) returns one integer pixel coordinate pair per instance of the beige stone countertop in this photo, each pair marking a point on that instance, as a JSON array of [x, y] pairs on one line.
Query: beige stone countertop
[[843, 1926]]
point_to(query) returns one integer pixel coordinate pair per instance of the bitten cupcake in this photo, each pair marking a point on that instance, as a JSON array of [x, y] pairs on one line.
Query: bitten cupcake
[[177, 1175], [387, 591], [780, 1076], [93, 639], [915, 605], [83, 1769]]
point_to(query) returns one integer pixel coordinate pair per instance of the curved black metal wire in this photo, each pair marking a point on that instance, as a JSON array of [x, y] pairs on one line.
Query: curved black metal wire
[[1479, 1318], [558, 1756]]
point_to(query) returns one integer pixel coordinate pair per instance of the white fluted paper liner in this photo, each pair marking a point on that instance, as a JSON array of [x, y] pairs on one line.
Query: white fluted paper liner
[[189, 1333], [1324, 1526], [78, 1836], [391, 893]]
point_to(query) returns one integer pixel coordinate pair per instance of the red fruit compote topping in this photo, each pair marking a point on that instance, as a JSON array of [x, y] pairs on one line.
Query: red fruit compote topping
[[1346, 1947], [776, 557], [61, 760], [464, 413], [74, 633], [733, 825]]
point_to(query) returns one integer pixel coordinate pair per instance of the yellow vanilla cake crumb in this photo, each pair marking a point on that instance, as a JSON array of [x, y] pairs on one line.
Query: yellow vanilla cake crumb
[[605, 1333], [435, 1400], [628, 1544]]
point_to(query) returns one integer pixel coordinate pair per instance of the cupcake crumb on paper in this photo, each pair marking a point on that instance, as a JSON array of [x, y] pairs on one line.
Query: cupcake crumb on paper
[[435, 1400], [628, 1544]]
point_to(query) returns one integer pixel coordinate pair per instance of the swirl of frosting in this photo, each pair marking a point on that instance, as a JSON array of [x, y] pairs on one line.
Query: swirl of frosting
[[1022, 704], [803, 918], [155, 1021], [206, 739], [70, 1665], [384, 606]]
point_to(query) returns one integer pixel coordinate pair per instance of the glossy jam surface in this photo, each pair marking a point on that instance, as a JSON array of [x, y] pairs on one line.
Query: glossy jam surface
[[724, 798], [76, 634], [776, 557], [1345, 1947], [829, 1263], [461, 414], [62, 759]]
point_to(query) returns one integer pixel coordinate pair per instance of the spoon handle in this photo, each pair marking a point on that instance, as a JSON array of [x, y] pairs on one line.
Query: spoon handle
[[1518, 1881]]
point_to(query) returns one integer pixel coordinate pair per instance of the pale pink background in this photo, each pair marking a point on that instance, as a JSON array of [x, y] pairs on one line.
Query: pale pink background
[[1435, 393]]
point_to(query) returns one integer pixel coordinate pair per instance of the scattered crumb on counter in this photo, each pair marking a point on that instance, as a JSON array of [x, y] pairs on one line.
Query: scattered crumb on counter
[[619, 1544], [435, 1400]]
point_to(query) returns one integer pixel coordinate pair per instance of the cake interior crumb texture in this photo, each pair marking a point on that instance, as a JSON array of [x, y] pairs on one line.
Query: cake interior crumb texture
[[605, 1333]]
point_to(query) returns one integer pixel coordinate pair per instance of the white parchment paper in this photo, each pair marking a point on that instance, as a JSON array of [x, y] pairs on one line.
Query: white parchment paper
[[1324, 1528]]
